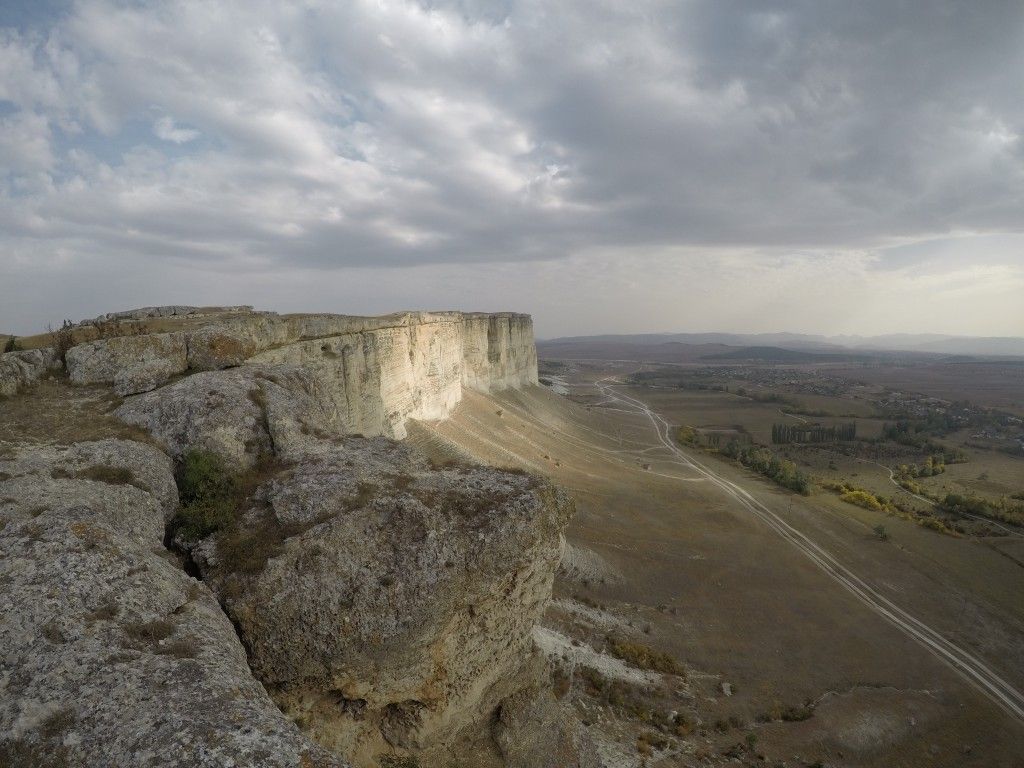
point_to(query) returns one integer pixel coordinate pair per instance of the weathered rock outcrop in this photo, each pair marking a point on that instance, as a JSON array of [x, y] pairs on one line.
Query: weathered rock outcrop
[[131, 363], [240, 414], [111, 654], [172, 310], [498, 352], [400, 607], [19, 370], [376, 379], [532, 730]]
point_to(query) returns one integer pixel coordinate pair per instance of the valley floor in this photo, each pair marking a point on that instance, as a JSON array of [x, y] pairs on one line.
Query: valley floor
[[784, 662]]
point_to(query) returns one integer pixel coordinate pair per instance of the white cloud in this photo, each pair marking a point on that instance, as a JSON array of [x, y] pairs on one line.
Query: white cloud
[[340, 137], [25, 144], [165, 128]]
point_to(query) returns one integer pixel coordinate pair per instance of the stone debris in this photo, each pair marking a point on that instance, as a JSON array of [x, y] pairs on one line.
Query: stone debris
[[561, 650]]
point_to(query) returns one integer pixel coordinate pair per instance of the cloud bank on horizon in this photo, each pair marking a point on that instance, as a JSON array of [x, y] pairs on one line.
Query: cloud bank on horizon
[[819, 166]]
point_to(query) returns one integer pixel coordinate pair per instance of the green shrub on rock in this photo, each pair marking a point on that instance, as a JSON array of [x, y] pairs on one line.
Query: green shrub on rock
[[207, 492]]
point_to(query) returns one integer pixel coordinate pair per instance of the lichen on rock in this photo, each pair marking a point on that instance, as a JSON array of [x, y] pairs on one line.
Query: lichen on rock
[[112, 655]]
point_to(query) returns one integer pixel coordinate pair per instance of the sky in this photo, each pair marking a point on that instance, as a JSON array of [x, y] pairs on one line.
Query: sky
[[816, 166]]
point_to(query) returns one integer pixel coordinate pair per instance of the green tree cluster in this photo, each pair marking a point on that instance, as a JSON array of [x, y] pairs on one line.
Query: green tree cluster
[[764, 462], [933, 465]]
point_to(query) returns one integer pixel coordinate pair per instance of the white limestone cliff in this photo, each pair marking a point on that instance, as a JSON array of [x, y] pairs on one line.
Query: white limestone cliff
[[362, 375]]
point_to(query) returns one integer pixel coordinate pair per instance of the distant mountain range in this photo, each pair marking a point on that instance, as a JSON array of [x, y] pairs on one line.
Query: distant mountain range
[[753, 344]]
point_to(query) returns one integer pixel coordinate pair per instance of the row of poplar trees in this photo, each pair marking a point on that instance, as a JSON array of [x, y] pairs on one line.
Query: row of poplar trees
[[812, 433]]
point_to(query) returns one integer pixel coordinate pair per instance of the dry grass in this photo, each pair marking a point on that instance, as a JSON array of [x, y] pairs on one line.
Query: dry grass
[[155, 636], [55, 413], [247, 548], [105, 612], [57, 723], [104, 473], [186, 648], [399, 761], [149, 631]]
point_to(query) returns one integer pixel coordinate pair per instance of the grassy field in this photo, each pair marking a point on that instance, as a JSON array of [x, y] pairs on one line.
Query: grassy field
[[708, 408]]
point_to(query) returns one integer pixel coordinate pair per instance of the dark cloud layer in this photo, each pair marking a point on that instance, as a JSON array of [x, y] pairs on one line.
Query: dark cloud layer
[[236, 145]]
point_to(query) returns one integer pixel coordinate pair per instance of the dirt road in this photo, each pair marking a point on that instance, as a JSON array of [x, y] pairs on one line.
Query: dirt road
[[971, 668]]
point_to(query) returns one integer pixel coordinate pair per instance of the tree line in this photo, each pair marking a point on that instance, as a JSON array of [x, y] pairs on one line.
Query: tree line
[[813, 433]]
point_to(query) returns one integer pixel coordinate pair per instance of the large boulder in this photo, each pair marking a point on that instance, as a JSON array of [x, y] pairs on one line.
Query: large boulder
[[398, 601], [110, 655], [131, 363], [240, 414], [229, 342], [19, 370]]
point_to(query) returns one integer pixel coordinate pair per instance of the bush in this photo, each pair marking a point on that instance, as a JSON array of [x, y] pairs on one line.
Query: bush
[[645, 657], [996, 509], [797, 714], [63, 340], [881, 533], [864, 499], [934, 524], [246, 549], [207, 492], [688, 436], [202, 476]]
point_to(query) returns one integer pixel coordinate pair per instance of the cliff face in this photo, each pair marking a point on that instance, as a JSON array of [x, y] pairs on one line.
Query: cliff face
[[374, 373], [414, 368]]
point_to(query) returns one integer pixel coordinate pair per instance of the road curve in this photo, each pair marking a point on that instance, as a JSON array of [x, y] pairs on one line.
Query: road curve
[[971, 668]]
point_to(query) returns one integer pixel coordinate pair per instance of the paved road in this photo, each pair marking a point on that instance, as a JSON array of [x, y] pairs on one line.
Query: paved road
[[971, 668]]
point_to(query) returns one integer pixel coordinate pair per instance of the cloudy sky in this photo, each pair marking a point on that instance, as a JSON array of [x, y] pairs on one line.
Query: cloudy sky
[[686, 165]]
